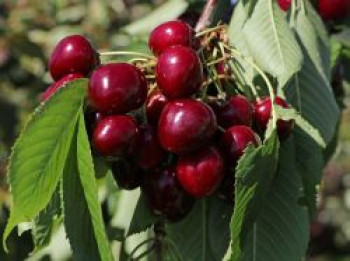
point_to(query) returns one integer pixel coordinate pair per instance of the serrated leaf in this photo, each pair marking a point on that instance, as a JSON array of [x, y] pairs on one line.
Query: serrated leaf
[[39, 155], [292, 114], [204, 233], [254, 175], [142, 218], [271, 42]]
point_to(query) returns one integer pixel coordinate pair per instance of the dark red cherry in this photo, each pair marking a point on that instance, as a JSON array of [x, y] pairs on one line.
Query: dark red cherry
[[200, 173], [154, 105], [73, 54], [115, 135], [186, 125], [179, 72], [170, 34], [237, 111], [285, 4], [60, 83], [333, 9], [235, 140], [127, 175], [117, 88], [165, 196], [262, 114], [149, 153]]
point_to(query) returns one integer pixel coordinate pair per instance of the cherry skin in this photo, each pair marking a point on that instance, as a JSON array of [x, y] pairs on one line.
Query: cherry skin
[[117, 88], [333, 9], [127, 175], [285, 4], [201, 173], [262, 114], [170, 34], [59, 84], [115, 135], [73, 54], [165, 196], [179, 72], [235, 140], [149, 153], [237, 111], [186, 125], [154, 105]]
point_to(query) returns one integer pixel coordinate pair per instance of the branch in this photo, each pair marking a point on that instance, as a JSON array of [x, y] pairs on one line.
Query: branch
[[205, 18]]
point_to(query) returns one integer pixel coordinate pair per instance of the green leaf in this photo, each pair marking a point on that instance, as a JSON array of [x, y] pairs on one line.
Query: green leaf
[[281, 230], [204, 233], [142, 217], [39, 155], [271, 42], [254, 175], [343, 37]]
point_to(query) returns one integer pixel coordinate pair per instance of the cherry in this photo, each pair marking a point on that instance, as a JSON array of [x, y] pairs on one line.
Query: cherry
[[179, 72], [285, 4], [92, 118], [170, 34], [165, 196], [115, 135], [262, 116], [235, 140], [186, 125], [73, 54], [127, 175], [60, 83], [154, 105], [333, 9], [201, 173], [223, 69], [117, 88], [149, 153], [237, 111]]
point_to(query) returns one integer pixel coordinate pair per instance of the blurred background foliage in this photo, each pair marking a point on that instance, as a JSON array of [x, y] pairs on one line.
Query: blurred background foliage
[[29, 29]]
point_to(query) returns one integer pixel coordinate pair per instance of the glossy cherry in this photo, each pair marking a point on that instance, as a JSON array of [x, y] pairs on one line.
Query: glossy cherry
[[170, 34], [237, 111], [115, 135], [179, 72], [262, 114], [201, 173], [235, 140], [127, 175], [333, 9], [186, 125], [165, 196], [154, 105], [73, 54], [149, 153], [60, 83], [117, 88], [285, 4]]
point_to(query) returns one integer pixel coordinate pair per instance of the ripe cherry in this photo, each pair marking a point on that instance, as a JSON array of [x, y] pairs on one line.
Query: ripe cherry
[[149, 153], [235, 140], [333, 9], [117, 88], [60, 83], [262, 114], [165, 196], [285, 4], [73, 54], [127, 175], [201, 173], [186, 125], [237, 111], [179, 72], [154, 105], [170, 34], [115, 135]]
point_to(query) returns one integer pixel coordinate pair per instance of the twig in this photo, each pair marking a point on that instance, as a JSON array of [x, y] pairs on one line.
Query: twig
[[204, 19]]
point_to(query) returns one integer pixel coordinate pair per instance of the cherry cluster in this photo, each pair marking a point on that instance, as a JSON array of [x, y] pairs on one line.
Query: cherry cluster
[[161, 126]]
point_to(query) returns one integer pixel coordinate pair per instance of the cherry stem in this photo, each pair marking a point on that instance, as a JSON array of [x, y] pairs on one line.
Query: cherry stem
[[159, 231], [209, 30], [204, 19], [128, 53]]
